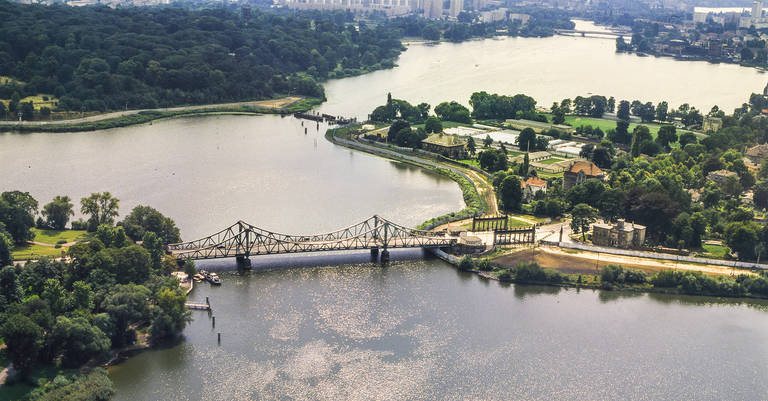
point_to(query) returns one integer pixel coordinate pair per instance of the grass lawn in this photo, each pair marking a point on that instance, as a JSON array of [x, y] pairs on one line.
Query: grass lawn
[[53, 236], [715, 251], [515, 223], [29, 252], [470, 162], [550, 161], [4, 80], [37, 100], [605, 124]]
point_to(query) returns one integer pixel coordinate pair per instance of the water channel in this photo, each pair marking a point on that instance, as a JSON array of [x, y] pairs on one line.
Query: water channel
[[338, 327]]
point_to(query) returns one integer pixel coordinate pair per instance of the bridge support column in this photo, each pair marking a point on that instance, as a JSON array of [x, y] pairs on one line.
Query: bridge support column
[[384, 256], [243, 262], [374, 253]]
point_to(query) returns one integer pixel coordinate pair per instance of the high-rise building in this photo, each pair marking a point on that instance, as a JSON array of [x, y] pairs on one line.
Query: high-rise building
[[757, 10], [433, 9], [456, 7]]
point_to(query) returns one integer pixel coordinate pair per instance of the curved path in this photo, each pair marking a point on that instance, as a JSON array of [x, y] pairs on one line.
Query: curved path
[[269, 104]]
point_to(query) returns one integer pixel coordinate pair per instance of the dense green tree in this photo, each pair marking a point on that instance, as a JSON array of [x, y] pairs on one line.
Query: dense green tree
[[558, 115], [77, 340], [111, 237], [6, 258], [145, 218], [58, 212], [686, 138], [57, 297], [126, 304], [24, 341], [471, 147], [82, 296], [667, 134], [170, 316], [102, 207], [17, 213], [492, 160], [525, 166], [621, 134], [433, 124], [10, 291], [742, 238], [431, 32], [453, 111], [623, 111], [526, 141], [27, 111], [640, 137], [662, 109], [583, 216], [488, 141], [511, 194]]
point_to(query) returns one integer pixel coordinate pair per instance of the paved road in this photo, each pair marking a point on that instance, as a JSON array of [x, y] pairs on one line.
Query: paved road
[[275, 103]]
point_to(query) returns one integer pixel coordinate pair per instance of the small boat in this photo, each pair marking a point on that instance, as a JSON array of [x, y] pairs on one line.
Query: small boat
[[198, 277], [213, 278]]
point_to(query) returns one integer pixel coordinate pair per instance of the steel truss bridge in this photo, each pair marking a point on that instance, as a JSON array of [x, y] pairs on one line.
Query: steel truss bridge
[[242, 240]]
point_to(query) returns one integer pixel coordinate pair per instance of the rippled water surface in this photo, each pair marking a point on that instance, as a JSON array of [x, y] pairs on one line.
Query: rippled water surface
[[338, 327], [421, 330]]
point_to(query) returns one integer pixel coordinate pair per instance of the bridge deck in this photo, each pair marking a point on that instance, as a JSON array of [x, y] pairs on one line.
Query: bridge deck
[[242, 239]]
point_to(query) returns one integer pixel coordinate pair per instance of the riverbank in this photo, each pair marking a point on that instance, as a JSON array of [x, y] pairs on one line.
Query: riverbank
[[577, 274], [284, 105]]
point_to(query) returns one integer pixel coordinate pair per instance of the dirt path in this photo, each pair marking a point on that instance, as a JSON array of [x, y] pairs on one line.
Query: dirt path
[[8, 371], [582, 262], [484, 189], [270, 104]]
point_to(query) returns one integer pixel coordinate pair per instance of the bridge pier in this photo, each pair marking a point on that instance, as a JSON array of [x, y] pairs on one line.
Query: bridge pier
[[243, 262], [384, 256], [374, 253]]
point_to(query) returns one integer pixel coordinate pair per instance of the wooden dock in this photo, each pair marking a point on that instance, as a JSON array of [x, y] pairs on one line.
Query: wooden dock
[[197, 306]]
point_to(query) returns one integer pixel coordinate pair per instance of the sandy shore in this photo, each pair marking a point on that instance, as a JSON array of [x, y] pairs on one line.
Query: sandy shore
[[582, 262]]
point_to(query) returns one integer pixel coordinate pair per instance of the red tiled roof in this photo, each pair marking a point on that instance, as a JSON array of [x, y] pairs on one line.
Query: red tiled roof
[[588, 168], [535, 181]]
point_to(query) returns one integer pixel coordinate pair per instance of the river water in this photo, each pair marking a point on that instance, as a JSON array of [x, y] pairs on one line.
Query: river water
[[339, 327]]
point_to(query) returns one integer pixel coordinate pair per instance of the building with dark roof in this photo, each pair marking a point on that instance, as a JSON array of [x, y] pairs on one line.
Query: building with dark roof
[[447, 145], [580, 171]]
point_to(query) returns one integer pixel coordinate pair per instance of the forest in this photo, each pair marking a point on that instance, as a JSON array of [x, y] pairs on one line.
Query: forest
[[99, 59]]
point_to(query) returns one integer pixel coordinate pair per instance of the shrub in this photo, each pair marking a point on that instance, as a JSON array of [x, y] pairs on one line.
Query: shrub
[[466, 263], [532, 272], [79, 224], [617, 274], [484, 265]]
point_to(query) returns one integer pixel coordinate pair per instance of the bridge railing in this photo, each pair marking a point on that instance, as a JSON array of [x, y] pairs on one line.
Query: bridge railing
[[243, 239]]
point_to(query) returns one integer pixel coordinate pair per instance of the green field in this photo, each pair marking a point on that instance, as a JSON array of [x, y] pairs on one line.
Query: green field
[[54, 236], [37, 101], [551, 161], [715, 251], [605, 124], [470, 162], [34, 251]]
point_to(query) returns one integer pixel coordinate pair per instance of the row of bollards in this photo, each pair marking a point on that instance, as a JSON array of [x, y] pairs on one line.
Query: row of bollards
[[213, 319]]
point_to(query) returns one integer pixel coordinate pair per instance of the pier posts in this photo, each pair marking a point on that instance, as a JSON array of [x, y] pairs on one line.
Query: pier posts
[[384, 256], [243, 262], [213, 321]]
